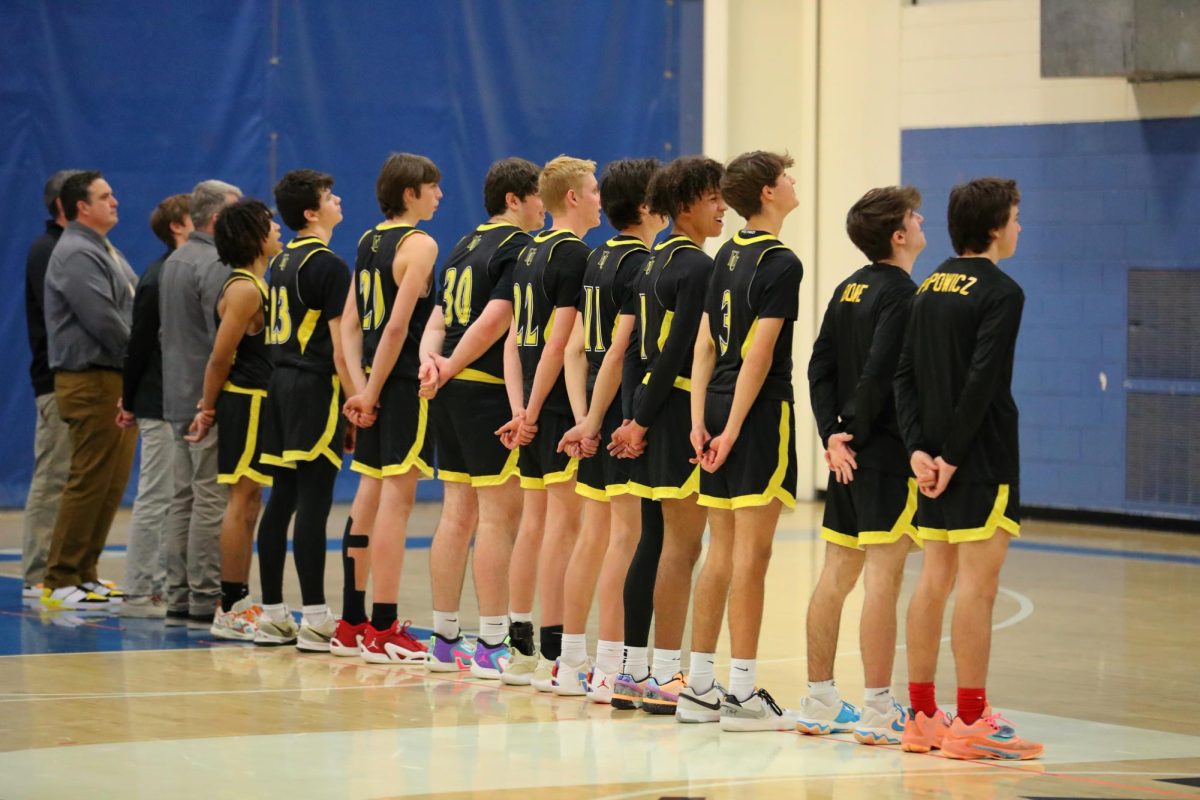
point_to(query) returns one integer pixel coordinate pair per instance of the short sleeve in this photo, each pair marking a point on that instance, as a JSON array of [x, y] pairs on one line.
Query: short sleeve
[[324, 282], [569, 262], [629, 271], [500, 268], [775, 292]]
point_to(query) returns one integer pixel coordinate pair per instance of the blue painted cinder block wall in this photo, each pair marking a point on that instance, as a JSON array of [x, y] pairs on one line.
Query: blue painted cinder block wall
[[1097, 200]]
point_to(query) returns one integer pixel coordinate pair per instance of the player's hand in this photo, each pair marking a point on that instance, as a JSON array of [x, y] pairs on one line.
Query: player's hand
[[699, 438], [360, 410], [944, 473], [508, 431], [427, 375], [925, 471], [579, 441], [840, 457], [628, 441], [350, 438], [526, 431], [202, 423], [718, 450], [125, 419], [442, 364]]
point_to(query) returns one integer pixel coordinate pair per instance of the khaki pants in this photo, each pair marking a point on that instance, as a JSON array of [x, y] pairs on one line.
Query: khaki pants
[[51, 466], [192, 536], [101, 458], [146, 559]]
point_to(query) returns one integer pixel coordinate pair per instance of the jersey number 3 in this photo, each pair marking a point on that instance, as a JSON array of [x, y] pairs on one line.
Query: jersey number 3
[[726, 320]]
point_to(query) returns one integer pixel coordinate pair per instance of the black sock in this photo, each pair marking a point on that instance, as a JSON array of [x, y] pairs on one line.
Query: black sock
[[383, 616], [231, 593], [550, 637], [520, 636], [354, 607]]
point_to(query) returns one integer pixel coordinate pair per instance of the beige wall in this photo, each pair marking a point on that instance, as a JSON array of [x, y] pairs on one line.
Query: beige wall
[[835, 81]]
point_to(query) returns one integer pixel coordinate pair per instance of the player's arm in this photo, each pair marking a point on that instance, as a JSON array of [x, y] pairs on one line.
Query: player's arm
[[677, 349], [479, 336], [609, 377], [242, 304], [822, 377], [908, 414], [351, 341], [575, 371], [568, 282], [874, 386], [704, 360], [514, 386], [995, 339], [412, 267]]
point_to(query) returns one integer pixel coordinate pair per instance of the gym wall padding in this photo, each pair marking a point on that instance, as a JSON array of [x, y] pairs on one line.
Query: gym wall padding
[[162, 95]]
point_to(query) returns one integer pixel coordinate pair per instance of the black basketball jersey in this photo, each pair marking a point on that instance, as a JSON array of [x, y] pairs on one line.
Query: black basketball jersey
[[298, 331], [853, 365], [670, 298], [754, 276], [548, 276], [608, 281], [252, 365], [377, 296], [478, 271]]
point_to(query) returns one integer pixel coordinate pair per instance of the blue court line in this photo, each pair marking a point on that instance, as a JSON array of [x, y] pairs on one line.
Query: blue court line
[[412, 543], [1133, 555]]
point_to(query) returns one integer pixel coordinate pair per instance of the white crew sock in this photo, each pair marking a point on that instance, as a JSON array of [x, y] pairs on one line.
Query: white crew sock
[[608, 656], [825, 691], [879, 699], [702, 671], [635, 663], [276, 612], [666, 664], [743, 672], [317, 615], [492, 630], [574, 649], [445, 624]]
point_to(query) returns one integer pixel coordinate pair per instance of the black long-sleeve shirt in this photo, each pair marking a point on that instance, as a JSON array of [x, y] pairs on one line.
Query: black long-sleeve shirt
[[854, 362], [142, 375], [954, 380], [38, 259]]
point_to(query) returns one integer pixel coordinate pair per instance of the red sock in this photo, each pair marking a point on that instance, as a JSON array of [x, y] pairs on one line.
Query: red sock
[[921, 698], [971, 703]]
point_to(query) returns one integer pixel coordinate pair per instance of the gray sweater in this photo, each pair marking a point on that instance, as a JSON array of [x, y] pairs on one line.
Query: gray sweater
[[190, 285], [89, 302]]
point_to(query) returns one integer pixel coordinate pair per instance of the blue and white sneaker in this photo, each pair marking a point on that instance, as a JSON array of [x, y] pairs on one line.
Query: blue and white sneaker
[[449, 655], [875, 727], [571, 680], [818, 718]]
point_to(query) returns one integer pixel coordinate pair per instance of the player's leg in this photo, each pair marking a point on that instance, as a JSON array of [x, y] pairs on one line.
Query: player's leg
[[314, 499], [499, 517], [235, 617], [624, 526], [882, 720], [522, 586], [276, 626], [447, 569], [387, 640], [579, 586], [356, 568], [701, 700], [561, 532], [927, 723], [638, 598], [683, 529]]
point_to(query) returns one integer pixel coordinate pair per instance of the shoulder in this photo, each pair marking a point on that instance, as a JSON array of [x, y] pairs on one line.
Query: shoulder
[[324, 258], [418, 243], [781, 258]]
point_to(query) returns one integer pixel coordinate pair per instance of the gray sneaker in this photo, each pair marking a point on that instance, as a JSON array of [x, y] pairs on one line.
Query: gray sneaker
[[276, 634], [315, 638], [145, 606], [759, 712], [519, 671]]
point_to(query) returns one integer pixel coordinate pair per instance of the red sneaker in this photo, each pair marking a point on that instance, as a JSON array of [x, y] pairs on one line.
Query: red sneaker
[[393, 646], [347, 639]]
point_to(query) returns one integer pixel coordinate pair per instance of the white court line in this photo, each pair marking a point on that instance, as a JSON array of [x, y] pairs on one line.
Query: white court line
[[14, 697], [1024, 611]]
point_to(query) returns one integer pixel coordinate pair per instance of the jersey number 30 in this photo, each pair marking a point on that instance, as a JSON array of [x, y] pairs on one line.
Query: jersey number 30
[[456, 298]]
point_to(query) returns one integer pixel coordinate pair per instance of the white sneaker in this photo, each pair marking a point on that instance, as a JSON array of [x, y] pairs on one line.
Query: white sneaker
[[758, 713], [239, 623], [571, 680], [147, 606], [75, 597], [543, 675], [818, 718], [273, 633], [314, 638], [105, 589], [875, 727], [695, 707], [32, 591], [600, 686], [519, 671]]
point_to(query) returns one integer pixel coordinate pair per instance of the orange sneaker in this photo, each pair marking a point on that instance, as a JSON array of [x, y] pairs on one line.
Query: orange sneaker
[[992, 736], [922, 733]]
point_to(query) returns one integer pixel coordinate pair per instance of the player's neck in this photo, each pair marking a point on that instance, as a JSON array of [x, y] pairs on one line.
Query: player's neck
[[258, 267], [316, 230], [901, 259], [408, 218], [567, 221], [687, 228], [509, 217], [768, 220], [645, 233], [992, 254]]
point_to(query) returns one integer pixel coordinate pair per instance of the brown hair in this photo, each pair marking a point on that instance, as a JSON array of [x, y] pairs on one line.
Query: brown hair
[[559, 176], [403, 171], [681, 183], [745, 177], [976, 209], [878, 214], [171, 210]]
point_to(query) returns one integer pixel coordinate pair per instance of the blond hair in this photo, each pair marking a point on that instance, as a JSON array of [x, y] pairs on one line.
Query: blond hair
[[560, 175]]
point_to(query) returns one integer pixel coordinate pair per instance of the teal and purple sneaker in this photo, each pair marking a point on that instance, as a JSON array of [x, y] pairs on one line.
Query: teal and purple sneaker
[[628, 692], [490, 661], [449, 655]]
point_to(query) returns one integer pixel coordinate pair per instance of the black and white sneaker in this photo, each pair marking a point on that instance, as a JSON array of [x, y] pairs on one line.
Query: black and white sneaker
[[759, 712], [693, 706]]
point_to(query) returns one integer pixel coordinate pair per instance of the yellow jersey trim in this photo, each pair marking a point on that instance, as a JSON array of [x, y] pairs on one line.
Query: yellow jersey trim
[[477, 376], [665, 329], [245, 466], [507, 472], [763, 237], [323, 447], [551, 478], [591, 492], [843, 539], [680, 382]]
